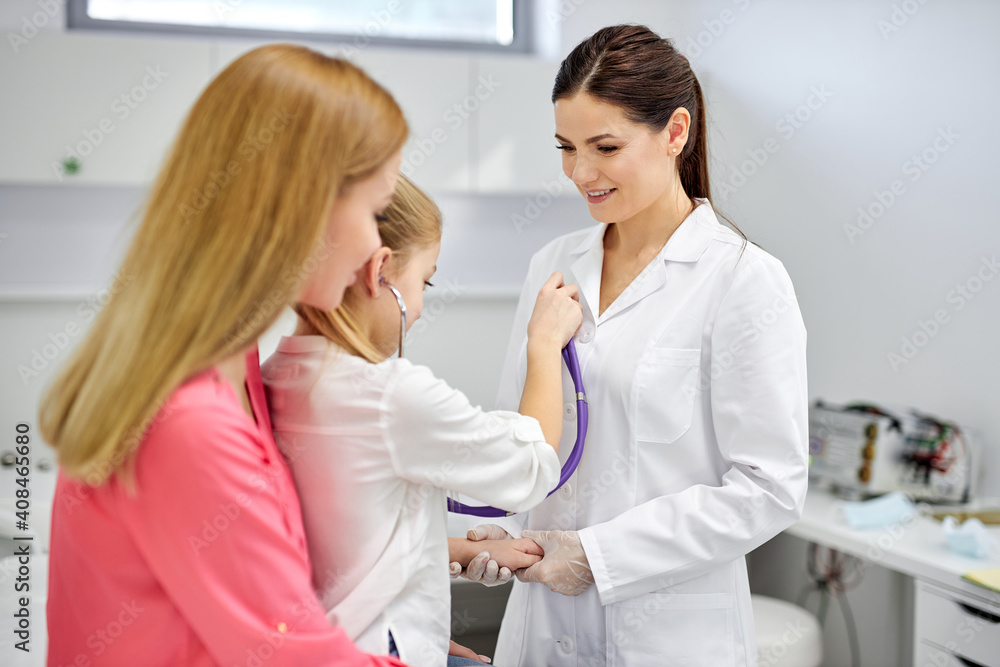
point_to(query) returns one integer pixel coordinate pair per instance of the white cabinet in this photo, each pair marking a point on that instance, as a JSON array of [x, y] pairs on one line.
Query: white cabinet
[[433, 89], [955, 628], [477, 124], [113, 102]]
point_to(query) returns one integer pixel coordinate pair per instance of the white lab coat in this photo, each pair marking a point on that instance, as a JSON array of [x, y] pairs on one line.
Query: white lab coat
[[696, 452], [374, 449]]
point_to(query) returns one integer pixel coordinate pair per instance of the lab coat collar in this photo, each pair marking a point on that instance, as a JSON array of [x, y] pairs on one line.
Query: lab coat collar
[[687, 244]]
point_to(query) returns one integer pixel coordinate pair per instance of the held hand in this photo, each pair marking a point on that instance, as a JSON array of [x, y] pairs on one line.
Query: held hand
[[513, 555], [482, 568], [565, 568], [557, 314]]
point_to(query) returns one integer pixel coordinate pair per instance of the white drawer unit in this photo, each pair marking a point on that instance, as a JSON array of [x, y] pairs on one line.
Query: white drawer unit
[[928, 656], [954, 628]]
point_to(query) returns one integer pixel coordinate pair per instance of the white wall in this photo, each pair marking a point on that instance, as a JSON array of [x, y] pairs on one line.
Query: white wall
[[885, 98]]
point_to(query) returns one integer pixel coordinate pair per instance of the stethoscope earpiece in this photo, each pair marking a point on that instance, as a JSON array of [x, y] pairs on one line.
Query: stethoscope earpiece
[[402, 311]]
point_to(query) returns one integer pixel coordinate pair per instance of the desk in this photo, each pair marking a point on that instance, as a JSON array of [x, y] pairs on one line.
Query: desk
[[952, 617]]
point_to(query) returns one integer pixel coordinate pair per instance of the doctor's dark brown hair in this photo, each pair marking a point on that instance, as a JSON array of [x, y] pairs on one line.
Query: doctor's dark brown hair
[[641, 73]]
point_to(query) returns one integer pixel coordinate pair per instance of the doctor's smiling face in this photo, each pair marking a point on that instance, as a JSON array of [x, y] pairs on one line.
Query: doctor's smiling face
[[624, 170]]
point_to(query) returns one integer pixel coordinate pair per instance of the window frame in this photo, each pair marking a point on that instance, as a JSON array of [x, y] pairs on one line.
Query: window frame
[[523, 42]]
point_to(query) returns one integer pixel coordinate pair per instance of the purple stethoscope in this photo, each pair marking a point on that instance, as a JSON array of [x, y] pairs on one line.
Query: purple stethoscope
[[569, 467]]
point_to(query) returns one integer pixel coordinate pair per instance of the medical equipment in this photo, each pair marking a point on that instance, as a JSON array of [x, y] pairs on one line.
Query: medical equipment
[[402, 312], [569, 467], [863, 450], [573, 364]]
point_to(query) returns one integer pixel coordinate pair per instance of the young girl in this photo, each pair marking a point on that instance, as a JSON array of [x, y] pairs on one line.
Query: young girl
[[175, 518], [374, 444]]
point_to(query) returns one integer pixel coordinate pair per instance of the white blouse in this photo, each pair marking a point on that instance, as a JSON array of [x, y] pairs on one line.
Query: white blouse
[[373, 448]]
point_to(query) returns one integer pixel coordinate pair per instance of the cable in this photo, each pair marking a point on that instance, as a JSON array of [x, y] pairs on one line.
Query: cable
[[827, 577], [852, 631]]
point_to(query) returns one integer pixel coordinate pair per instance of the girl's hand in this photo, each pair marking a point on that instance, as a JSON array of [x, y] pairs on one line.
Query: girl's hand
[[482, 568], [557, 314], [513, 554], [462, 652]]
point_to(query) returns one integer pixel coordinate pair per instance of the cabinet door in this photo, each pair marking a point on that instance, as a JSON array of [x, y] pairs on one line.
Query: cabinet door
[[515, 139], [113, 102], [433, 90], [962, 625]]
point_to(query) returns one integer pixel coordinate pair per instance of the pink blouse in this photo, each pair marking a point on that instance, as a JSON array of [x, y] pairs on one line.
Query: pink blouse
[[206, 563]]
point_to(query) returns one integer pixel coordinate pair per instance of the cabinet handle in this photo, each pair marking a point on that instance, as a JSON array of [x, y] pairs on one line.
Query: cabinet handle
[[967, 662], [979, 613]]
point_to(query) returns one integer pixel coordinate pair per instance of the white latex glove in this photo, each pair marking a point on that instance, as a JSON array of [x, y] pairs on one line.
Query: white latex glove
[[482, 568], [564, 568]]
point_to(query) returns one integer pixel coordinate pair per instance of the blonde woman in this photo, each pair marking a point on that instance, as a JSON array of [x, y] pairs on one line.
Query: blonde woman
[[176, 532], [374, 443]]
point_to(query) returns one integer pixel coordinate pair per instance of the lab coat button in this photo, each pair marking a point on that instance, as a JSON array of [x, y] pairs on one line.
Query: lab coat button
[[567, 490], [566, 644], [586, 334], [569, 411]]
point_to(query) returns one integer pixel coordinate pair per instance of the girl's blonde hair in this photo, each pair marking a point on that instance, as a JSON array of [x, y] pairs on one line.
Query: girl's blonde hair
[[233, 223], [411, 221]]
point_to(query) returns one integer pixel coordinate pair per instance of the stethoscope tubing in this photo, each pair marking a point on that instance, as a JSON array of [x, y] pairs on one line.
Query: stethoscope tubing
[[569, 467]]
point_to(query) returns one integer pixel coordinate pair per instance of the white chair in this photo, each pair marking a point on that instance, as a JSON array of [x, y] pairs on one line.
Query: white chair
[[787, 635]]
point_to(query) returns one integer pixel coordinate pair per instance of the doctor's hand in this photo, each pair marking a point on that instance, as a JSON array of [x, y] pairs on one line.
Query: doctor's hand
[[564, 568], [482, 568], [557, 314]]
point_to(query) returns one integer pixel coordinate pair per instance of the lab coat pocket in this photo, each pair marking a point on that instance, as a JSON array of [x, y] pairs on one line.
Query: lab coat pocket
[[668, 629], [666, 385]]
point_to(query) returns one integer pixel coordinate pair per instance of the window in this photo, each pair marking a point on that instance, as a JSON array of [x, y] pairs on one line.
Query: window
[[491, 25]]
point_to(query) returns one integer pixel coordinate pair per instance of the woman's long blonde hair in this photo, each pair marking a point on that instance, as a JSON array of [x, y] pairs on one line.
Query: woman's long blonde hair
[[411, 221], [231, 227]]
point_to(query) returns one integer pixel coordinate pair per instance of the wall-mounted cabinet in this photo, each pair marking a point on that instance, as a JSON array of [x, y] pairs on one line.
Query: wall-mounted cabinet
[[427, 85], [112, 103]]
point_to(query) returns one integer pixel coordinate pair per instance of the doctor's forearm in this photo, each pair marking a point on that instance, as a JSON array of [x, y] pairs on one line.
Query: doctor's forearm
[[542, 395]]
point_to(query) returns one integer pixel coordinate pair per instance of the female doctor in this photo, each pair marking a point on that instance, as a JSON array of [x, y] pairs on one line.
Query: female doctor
[[693, 355]]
